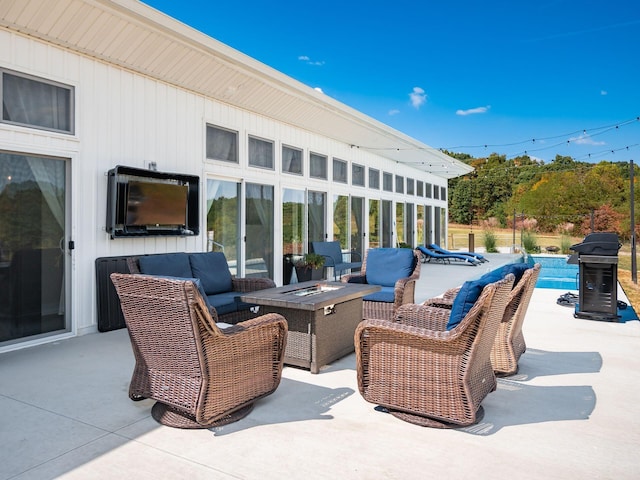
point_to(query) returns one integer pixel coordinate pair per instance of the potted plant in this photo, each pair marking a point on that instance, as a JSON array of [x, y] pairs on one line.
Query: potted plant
[[309, 267]]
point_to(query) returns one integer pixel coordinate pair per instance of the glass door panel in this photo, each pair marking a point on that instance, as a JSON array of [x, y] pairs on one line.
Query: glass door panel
[[259, 231], [357, 227], [420, 224], [316, 220], [387, 224], [374, 223], [400, 232], [340, 220], [223, 218], [33, 238], [410, 228], [292, 230]]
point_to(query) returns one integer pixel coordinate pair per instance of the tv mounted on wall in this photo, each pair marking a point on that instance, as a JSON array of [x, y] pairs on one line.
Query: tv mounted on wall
[[146, 202]]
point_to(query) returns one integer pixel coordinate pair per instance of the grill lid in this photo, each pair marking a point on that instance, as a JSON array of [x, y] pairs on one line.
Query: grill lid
[[598, 244]]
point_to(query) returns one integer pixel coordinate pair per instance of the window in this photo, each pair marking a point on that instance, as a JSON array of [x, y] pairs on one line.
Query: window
[[420, 188], [427, 190], [222, 144], [260, 153], [410, 184], [399, 184], [291, 160], [374, 178], [436, 192], [357, 175], [339, 171], [443, 193], [38, 103], [387, 182], [318, 166]]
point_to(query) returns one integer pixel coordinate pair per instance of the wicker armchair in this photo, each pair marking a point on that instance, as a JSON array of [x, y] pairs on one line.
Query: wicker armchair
[[425, 374], [199, 374], [401, 292], [509, 344]]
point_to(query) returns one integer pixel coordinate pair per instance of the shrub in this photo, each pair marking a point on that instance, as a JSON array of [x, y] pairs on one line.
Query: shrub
[[529, 242], [565, 244], [490, 241]]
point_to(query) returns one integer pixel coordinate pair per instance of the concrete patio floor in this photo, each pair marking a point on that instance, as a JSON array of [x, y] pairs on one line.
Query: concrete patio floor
[[572, 411]]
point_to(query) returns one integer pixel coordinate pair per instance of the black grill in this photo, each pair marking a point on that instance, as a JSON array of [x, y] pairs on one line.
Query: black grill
[[598, 277]]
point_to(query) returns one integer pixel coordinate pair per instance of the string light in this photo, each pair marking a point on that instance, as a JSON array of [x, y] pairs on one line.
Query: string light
[[535, 141]]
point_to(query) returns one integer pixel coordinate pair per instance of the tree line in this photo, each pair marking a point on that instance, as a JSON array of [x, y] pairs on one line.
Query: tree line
[[564, 196]]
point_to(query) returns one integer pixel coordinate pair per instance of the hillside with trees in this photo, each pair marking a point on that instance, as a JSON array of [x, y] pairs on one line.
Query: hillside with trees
[[562, 196]]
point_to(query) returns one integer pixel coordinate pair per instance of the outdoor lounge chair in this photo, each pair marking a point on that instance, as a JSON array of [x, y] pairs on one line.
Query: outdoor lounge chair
[[396, 270], [427, 369], [201, 375], [438, 249], [334, 257], [428, 255], [509, 344]]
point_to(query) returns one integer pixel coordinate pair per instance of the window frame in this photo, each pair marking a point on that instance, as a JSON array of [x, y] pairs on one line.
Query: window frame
[[357, 173], [294, 149], [255, 138], [325, 159], [45, 81], [387, 182], [343, 166], [236, 135]]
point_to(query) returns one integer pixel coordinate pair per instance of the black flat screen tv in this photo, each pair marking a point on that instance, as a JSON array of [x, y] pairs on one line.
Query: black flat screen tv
[[146, 202]]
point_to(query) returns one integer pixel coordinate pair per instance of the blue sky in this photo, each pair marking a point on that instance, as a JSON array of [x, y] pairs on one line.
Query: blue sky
[[543, 77]]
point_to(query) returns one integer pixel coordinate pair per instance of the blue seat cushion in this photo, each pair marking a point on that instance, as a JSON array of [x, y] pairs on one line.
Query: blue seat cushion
[[224, 302], [212, 270], [196, 281], [469, 294], [385, 294], [385, 266], [171, 264]]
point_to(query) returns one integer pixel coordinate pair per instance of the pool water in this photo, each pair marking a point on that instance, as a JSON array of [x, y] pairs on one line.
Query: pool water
[[555, 272]]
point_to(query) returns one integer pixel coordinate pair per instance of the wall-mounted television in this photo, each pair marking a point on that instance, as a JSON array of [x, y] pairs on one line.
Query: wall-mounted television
[[146, 202]]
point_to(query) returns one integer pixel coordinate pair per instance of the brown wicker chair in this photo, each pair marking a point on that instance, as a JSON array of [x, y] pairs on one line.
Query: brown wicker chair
[[199, 374], [427, 375], [404, 290], [509, 344]]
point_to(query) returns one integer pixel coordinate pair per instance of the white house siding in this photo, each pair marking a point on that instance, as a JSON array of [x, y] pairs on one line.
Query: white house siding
[[124, 118]]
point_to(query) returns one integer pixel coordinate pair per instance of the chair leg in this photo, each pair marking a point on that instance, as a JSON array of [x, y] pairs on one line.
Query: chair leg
[[429, 422], [172, 417]]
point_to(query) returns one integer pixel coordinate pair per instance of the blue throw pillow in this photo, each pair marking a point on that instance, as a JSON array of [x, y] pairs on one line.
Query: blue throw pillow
[[171, 264], [517, 269], [213, 271], [385, 266], [469, 294]]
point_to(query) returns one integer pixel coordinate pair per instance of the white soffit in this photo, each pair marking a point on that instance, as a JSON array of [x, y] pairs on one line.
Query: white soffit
[[135, 36]]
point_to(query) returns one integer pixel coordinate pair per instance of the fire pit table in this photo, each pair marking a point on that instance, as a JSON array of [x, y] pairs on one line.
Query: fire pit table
[[322, 318]]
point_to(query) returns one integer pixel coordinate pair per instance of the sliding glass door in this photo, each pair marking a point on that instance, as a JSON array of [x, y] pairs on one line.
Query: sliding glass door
[[33, 241]]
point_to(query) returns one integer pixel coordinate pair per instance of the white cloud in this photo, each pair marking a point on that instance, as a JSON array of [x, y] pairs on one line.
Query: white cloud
[[473, 111], [585, 140], [318, 89], [393, 112], [603, 92], [418, 97], [306, 59]]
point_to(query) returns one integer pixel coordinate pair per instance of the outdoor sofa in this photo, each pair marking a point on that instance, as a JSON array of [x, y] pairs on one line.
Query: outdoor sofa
[[220, 290]]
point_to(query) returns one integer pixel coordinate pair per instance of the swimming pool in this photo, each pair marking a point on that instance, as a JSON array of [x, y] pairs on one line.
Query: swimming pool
[[555, 272]]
